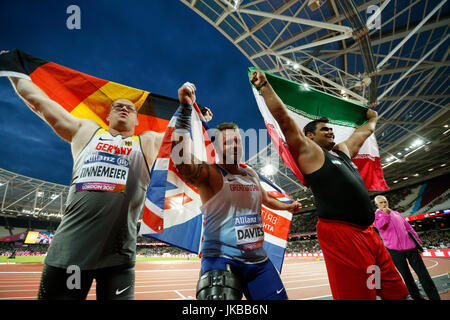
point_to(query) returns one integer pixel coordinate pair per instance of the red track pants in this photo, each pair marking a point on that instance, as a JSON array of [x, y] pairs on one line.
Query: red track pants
[[359, 266]]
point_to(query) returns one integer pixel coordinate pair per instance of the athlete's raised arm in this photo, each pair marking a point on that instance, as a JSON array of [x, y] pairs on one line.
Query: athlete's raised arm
[[151, 141], [62, 122], [352, 145], [193, 171], [305, 152]]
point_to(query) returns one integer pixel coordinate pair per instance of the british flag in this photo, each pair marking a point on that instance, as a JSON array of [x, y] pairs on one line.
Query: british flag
[[172, 207]]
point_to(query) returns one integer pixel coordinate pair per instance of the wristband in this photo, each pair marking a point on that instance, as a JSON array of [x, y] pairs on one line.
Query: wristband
[[262, 85], [183, 120]]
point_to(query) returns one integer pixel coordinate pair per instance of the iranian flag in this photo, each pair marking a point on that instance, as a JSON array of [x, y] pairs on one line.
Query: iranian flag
[[305, 104]]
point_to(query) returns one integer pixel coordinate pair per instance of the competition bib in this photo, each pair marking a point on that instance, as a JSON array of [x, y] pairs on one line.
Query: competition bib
[[105, 169], [249, 232]]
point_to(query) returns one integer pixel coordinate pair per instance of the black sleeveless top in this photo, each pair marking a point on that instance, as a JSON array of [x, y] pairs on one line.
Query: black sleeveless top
[[339, 191]]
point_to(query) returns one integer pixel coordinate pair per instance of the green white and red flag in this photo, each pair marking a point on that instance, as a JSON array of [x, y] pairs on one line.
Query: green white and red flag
[[306, 104]]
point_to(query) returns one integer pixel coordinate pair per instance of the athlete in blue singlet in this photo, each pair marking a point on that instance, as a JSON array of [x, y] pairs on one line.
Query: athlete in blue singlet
[[233, 259]]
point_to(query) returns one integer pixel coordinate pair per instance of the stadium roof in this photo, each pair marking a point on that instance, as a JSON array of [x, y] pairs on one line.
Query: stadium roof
[[391, 55], [23, 196]]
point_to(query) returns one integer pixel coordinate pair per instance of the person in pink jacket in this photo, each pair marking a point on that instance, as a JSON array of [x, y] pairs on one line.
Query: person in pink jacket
[[403, 243]]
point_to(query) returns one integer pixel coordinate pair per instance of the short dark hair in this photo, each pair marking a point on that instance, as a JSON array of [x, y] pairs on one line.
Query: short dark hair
[[225, 126], [311, 126]]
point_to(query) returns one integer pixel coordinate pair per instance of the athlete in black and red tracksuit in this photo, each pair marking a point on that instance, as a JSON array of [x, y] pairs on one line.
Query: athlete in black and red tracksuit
[[351, 248]]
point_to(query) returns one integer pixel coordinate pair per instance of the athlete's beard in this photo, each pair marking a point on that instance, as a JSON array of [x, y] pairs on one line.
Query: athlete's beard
[[329, 146], [231, 158]]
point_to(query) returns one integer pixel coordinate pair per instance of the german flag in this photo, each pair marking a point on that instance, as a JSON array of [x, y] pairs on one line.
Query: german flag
[[85, 96]]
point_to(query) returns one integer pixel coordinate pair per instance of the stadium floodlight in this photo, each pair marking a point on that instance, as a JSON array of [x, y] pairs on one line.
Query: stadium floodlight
[[417, 143], [315, 4], [233, 3], [304, 87], [236, 4], [366, 81]]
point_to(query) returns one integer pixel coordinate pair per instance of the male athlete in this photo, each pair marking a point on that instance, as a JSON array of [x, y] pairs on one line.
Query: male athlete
[[351, 248], [233, 259], [96, 238]]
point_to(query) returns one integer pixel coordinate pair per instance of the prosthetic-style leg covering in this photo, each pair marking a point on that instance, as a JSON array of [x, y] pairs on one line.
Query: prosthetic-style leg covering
[[219, 285]]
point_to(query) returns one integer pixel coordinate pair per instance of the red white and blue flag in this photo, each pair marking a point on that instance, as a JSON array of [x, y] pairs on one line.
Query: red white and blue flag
[[172, 206], [277, 224]]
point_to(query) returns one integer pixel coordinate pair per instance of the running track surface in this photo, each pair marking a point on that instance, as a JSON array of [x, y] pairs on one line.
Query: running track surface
[[177, 280]]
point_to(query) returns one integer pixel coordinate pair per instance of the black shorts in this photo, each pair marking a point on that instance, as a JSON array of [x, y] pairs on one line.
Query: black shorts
[[113, 283]]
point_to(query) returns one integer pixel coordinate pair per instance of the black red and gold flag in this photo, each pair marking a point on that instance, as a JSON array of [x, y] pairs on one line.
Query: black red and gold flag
[[85, 96]]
